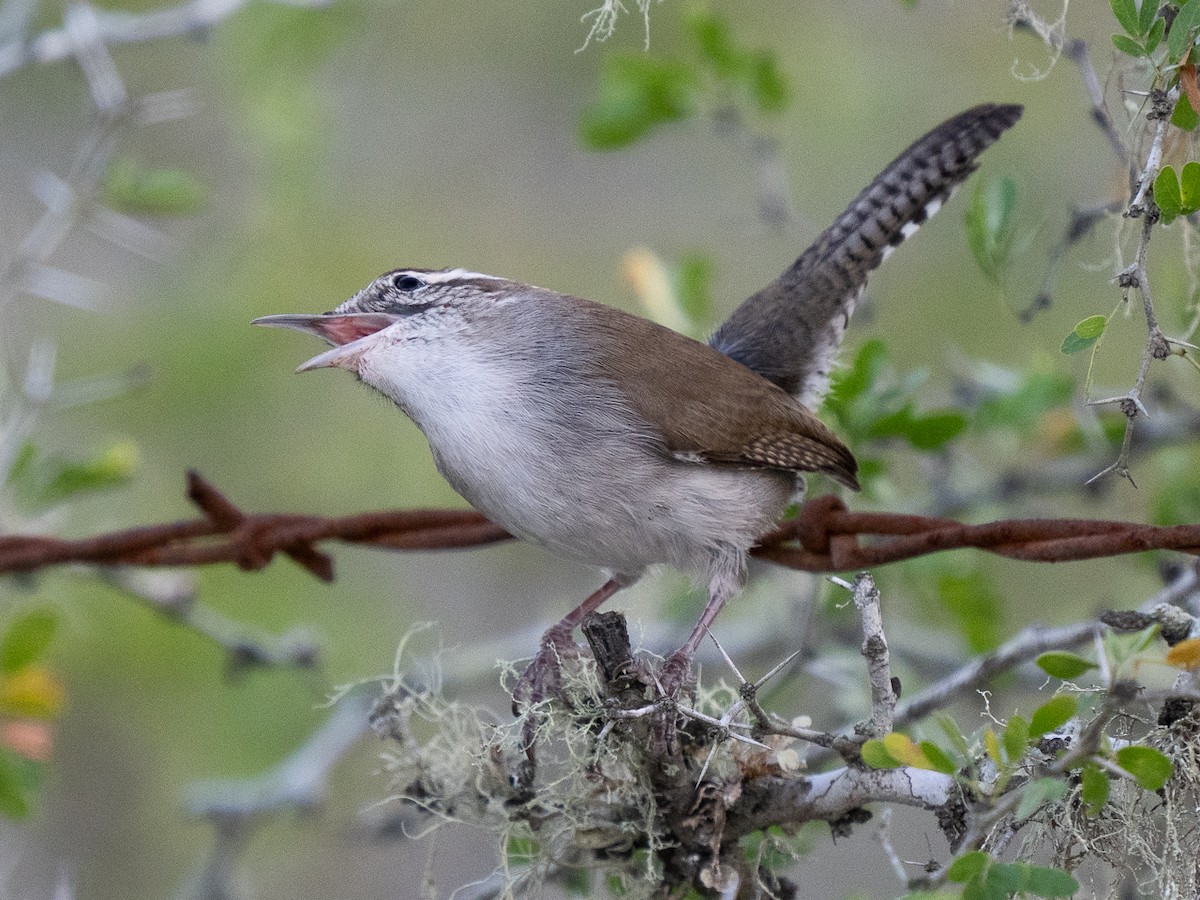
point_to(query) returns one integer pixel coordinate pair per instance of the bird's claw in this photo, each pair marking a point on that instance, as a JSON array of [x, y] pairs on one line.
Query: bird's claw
[[542, 678]]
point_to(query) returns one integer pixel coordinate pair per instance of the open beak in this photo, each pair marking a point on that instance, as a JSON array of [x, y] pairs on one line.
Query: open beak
[[349, 333]]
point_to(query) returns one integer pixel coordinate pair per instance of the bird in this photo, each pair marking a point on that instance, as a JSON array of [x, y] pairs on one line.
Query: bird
[[614, 441]]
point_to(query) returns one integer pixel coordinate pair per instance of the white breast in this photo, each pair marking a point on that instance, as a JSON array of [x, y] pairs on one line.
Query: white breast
[[571, 468]]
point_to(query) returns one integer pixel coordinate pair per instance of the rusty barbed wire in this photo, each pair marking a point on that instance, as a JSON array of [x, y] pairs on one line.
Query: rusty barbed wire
[[824, 537]]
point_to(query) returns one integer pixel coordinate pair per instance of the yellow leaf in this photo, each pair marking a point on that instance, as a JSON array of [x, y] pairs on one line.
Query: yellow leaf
[[1185, 654], [992, 744], [904, 751], [33, 691]]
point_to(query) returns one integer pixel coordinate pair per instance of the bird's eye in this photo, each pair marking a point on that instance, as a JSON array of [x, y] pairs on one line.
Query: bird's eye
[[406, 282]]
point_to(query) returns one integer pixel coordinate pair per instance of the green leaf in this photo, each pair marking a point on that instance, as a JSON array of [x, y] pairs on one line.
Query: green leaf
[[1084, 334], [1157, 30], [975, 605], [979, 889], [1150, 768], [897, 423], [19, 778], [693, 284], [26, 640], [42, 480], [1189, 188], [768, 88], [1091, 327], [939, 760], [578, 883], [713, 39], [636, 94], [932, 431], [861, 375], [1167, 194], [754, 72], [1147, 16], [1183, 30], [1035, 394], [1006, 878], [953, 734], [1183, 116], [991, 225], [1039, 791], [1093, 788], [131, 188], [1016, 738], [1127, 15], [1046, 882], [968, 866], [876, 755], [1063, 664], [521, 848], [1128, 45], [1051, 715], [111, 467]]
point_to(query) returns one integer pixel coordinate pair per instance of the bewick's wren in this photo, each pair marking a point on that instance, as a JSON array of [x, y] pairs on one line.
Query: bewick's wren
[[612, 440]]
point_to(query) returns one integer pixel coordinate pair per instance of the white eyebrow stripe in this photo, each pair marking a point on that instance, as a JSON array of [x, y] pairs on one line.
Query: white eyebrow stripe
[[452, 275]]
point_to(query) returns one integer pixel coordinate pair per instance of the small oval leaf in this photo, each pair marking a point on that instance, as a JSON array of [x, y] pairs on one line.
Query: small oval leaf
[[1183, 116], [1183, 30], [1084, 334], [1127, 15], [939, 760], [1189, 188], [1185, 655], [991, 744], [1166, 192], [1051, 715], [1016, 737], [907, 753], [1093, 788], [1150, 768], [1063, 664], [1046, 882], [875, 755], [968, 866], [1128, 45]]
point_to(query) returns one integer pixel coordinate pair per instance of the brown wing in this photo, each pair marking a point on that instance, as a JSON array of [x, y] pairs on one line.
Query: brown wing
[[710, 407]]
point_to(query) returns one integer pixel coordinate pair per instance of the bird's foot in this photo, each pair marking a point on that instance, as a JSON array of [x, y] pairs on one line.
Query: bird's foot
[[676, 674], [542, 678]]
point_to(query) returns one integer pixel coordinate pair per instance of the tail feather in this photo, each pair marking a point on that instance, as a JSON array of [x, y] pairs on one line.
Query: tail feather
[[789, 331]]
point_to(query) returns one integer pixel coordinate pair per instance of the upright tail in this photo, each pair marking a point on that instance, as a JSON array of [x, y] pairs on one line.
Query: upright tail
[[789, 332]]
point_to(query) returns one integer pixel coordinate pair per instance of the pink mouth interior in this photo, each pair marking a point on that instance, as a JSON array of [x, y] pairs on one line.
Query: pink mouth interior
[[344, 329]]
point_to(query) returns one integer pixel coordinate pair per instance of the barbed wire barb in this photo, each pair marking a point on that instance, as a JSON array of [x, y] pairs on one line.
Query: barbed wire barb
[[824, 537]]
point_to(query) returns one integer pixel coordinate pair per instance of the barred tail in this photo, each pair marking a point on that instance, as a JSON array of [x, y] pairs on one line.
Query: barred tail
[[789, 331]]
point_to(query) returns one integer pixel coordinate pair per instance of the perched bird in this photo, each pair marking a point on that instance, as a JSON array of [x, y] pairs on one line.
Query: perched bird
[[614, 441]]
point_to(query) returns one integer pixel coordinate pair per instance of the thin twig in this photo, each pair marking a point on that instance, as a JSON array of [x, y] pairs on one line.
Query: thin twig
[[875, 649]]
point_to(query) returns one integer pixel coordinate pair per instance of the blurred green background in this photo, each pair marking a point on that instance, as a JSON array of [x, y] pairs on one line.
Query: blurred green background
[[338, 142]]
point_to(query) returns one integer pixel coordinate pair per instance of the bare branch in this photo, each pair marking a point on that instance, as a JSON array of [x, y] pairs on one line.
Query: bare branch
[[875, 649]]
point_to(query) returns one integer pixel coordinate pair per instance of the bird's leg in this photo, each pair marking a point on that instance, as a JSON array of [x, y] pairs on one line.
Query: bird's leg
[[543, 675], [726, 578]]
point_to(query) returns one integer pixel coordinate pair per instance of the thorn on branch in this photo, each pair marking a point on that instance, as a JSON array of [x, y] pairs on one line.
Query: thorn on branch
[[1160, 347]]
